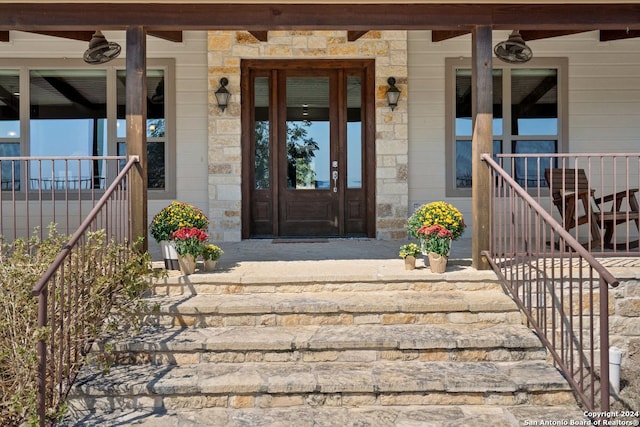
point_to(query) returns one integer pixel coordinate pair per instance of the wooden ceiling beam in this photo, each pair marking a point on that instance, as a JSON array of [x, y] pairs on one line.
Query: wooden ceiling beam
[[171, 36], [261, 36], [355, 35], [529, 35], [306, 16], [440, 36], [84, 36], [610, 35]]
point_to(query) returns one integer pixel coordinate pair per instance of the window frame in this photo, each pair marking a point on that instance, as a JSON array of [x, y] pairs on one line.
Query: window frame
[[167, 65], [561, 64]]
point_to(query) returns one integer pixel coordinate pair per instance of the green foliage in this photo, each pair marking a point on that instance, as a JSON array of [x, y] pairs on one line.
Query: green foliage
[[211, 252], [435, 238], [410, 249], [443, 213], [174, 217], [108, 280], [190, 240]]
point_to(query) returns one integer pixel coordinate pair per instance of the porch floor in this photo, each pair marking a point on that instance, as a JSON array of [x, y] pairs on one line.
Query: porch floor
[[268, 260]]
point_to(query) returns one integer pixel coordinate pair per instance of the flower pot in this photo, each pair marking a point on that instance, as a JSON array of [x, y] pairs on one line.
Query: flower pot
[[437, 263], [187, 264], [210, 264], [410, 262], [169, 255]]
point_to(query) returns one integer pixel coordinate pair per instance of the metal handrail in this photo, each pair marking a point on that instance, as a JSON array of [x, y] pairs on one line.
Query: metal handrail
[[41, 289], [536, 295]]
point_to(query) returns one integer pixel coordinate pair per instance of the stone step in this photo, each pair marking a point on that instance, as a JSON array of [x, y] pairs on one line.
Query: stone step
[[358, 343], [388, 416], [324, 281], [314, 384], [346, 308]]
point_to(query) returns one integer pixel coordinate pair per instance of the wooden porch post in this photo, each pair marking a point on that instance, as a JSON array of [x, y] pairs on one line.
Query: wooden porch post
[[482, 142], [136, 101]]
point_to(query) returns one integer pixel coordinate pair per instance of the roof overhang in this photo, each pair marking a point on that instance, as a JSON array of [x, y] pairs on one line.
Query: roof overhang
[[166, 15]]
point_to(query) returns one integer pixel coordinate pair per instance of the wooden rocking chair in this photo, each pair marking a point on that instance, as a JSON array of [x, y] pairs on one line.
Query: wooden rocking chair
[[571, 193]]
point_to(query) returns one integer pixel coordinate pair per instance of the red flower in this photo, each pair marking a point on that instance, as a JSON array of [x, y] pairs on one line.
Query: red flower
[[435, 230], [190, 233]]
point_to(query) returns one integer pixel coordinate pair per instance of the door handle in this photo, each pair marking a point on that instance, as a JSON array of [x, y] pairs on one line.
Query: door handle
[[334, 176]]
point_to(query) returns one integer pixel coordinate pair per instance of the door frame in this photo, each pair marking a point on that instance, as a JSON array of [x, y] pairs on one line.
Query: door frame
[[269, 67]]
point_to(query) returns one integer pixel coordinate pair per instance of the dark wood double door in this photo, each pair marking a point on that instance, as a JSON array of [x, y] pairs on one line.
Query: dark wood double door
[[308, 148]]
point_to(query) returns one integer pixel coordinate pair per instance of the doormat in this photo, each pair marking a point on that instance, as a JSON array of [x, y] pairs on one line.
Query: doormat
[[300, 241]]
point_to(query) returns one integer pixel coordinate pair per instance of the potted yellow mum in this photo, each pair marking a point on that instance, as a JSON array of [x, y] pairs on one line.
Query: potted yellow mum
[[443, 213], [210, 255], [409, 253], [169, 220]]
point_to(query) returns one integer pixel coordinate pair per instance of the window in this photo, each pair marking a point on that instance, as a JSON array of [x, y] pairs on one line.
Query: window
[[528, 117], [79, 110]]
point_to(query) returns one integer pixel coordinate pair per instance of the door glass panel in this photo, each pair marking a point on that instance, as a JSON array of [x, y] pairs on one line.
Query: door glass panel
[[308, 133], [354, 132], [261, 132], [534, 105]]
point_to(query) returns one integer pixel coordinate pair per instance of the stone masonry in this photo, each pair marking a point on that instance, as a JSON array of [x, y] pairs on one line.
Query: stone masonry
[[225, 51]]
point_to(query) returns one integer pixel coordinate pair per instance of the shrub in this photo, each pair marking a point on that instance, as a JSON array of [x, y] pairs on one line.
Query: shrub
[[112, 305]]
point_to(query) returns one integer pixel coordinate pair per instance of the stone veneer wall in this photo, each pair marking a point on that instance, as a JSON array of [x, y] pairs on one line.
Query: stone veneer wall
[[227, 48], [624, 325]]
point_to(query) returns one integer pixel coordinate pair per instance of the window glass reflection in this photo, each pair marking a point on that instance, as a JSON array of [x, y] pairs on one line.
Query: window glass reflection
[[308, 133], [261, 133], [156, 125], [534, 102], [463, 161], [68, 118], [354, 132], [463, 122], [533, 168], [10, 169], [9, 104]]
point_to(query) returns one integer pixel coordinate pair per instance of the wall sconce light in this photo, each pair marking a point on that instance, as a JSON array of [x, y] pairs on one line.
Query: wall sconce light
[[393, 93], [222, 94]]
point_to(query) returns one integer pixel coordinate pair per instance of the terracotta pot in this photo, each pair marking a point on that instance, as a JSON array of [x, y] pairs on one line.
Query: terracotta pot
[[187, 264], [169, 255], [437, 263], [410, 262]]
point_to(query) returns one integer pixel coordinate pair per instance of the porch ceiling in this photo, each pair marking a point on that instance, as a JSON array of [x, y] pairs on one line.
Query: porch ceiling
[[354, 16]]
